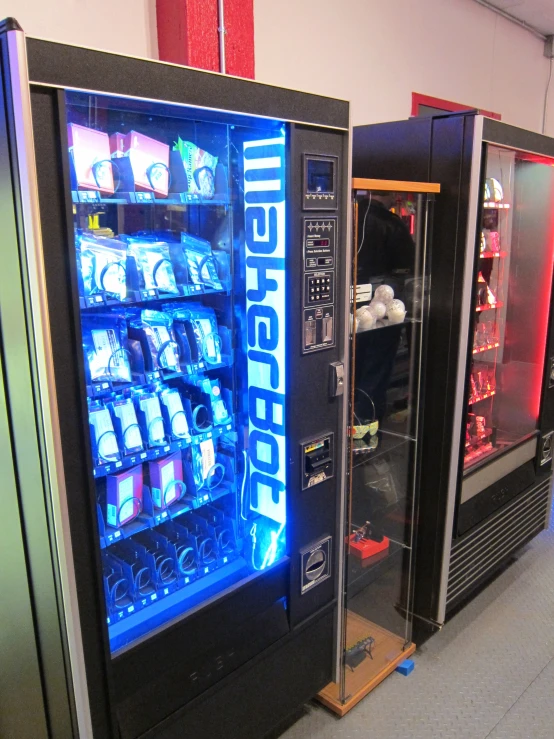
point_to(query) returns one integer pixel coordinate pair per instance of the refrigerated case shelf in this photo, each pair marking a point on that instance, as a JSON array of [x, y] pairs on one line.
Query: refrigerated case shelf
[[475, 440], [479, 398], [481, 308], [481, 349], [493, 255], [499, 206]]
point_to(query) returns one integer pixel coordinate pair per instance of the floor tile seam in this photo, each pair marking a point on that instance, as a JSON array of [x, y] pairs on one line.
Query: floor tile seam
[[519, 698]]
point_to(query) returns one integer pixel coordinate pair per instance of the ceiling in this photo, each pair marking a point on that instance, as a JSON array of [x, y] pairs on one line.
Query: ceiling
[[539, 14]]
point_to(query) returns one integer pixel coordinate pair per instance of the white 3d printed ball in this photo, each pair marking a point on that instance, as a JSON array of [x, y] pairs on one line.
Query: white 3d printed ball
[[378, 309], [384, 293], [396, 311], [366, 321]]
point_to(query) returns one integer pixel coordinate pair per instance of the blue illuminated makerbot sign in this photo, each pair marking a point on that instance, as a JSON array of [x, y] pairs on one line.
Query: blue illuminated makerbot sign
[[265, 225]]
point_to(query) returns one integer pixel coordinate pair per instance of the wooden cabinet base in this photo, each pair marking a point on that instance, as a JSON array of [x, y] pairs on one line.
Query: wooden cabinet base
[[387, 652]]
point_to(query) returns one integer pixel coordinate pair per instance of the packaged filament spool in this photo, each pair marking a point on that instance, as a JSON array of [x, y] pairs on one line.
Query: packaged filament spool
[[105, 448], [103, 265], [154, 330], [123, 496], [105, 347], [167, 485]]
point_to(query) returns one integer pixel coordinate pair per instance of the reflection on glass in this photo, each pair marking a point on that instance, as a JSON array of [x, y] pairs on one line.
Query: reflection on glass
[[170, 211], [512, 296]]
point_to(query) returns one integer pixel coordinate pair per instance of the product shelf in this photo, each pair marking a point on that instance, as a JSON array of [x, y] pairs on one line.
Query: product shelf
[[485, 348], [479, 439], [160, 452], [497, 206], [92, 197], [479, 398], [493, 255], [139, 297], [480, 308]]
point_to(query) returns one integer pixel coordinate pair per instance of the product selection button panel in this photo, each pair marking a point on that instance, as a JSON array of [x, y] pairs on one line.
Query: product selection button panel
[[319, 243], [318, 288]]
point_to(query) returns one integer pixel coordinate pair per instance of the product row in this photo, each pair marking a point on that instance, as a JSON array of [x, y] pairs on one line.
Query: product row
[[142, 346], [135, 163], [147, 266], [124, 428], [482, 382], [155, 563], [144, 496]]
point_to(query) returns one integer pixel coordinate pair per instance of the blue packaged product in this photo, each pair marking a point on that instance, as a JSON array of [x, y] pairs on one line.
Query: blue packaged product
[[177, 421], [103, 436], [201, 264], [124, 411], [150, 417], [198, 325], [104, 344], [154, 330], [103, 265], [154, 267]]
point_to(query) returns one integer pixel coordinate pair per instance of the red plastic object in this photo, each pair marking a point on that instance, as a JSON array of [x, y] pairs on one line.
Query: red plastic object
[[365, 548]]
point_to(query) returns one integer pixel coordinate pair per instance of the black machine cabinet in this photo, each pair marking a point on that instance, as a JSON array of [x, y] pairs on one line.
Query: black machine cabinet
[[488, 416], [176, 251]]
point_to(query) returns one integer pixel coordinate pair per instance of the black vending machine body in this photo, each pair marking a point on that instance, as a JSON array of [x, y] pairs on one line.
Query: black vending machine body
[[180, 251], [489, 410]]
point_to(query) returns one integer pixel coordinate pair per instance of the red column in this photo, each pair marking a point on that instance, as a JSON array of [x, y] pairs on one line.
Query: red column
[[188, 34]]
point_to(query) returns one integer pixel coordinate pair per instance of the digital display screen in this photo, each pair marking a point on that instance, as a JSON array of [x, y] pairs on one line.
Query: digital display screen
[[320, 176], [319, 242]]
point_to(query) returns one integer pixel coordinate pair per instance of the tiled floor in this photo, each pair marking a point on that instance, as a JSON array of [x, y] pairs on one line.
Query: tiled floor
[[489, 674]]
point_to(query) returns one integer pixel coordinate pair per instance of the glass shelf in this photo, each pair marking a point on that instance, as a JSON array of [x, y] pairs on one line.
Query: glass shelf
[[497, 206]]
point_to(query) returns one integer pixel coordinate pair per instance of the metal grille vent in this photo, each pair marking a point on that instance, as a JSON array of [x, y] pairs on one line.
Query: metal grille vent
[[486, 546]]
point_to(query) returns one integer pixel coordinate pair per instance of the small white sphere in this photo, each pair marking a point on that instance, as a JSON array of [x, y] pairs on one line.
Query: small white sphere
[[384, 293], [362, 310], [378, 309], [396, 311], [366, 321]]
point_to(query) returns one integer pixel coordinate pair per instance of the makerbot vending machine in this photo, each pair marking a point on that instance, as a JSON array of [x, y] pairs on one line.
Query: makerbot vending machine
[[173, 308], [488, 420]]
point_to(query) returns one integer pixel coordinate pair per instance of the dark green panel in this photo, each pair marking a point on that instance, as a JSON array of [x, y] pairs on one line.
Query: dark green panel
[[19, 665]]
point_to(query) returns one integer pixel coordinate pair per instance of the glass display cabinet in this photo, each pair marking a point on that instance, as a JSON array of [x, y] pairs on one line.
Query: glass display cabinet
[[391, 274]]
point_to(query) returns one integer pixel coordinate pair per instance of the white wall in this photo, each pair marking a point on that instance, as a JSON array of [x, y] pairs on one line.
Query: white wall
[[126, 26], [375, 53], [372, 52]]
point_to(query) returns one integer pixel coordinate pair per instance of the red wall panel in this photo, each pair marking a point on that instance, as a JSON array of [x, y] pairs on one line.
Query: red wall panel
[[188, 34], [239, 39]]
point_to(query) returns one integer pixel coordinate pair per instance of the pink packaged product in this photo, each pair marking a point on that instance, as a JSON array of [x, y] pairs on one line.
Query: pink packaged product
[[149, 161], [166, 480], [90, 153], [123, 496]]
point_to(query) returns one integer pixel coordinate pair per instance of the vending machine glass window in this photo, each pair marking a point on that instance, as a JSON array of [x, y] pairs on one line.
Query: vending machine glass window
[[511, 304], [183, 362]]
